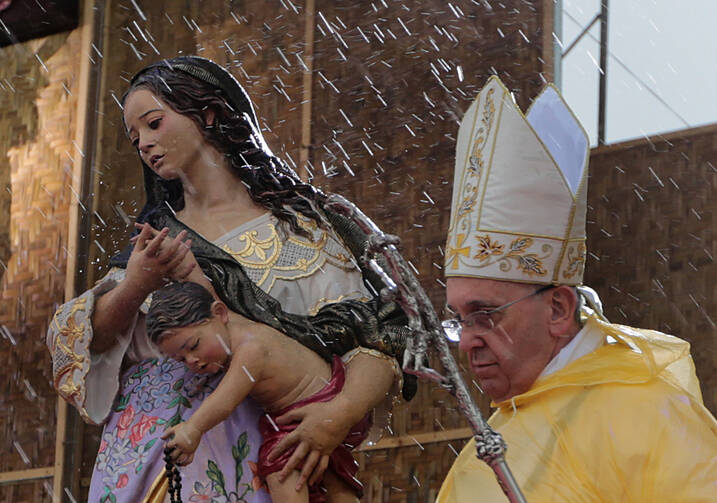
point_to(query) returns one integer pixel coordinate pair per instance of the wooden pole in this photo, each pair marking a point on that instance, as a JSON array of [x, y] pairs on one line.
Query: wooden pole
[[69, 433], [556, 36], [419, 439], [602, 105], [548, 44], [17, 476], [306, 102], [60, 436]]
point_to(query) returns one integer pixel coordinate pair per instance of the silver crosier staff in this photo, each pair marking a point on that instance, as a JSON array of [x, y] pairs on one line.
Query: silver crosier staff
[[403, 287]]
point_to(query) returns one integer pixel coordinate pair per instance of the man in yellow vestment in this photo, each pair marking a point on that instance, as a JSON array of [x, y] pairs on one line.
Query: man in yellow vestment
[[591, 411]]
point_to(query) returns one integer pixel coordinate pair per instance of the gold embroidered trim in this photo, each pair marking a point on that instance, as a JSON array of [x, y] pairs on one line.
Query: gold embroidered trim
[[267, 260], [527, 262], [471, 182], [486, 248], [453, 254], [376, 354], [568, 228], [576, 261], [67, 334], [492, 149], [267, 251], [529, 234]]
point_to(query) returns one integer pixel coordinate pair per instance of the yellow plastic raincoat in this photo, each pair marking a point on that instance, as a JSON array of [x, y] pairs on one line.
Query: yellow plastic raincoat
[[625, 423]]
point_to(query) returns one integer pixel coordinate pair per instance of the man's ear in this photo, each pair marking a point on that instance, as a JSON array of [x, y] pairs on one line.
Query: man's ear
[[220, 310], [563, 302]]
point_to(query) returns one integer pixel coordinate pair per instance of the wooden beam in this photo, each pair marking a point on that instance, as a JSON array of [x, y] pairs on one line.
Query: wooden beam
[[86, 54], [60, 436], [19, 476], [419, 439], [677, 135], [602, 83], [306, 101], [548, 45], [69, 426]]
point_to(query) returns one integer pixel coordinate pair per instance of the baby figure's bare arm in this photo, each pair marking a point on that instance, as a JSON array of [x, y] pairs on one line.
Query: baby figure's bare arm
[[245, 370], [264, 363]]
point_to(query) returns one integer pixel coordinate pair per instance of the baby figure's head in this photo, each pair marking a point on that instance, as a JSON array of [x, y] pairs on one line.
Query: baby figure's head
[[189, 325]]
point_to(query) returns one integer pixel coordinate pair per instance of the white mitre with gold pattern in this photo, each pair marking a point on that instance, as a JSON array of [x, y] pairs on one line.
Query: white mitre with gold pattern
[[519, 191]]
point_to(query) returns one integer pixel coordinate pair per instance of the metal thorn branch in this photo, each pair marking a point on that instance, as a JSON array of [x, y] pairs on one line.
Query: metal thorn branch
[[402, 286]]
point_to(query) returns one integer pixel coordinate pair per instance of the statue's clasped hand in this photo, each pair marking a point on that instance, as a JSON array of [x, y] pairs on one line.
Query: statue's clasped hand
[[322, 427], [157, 258], [181, 442]]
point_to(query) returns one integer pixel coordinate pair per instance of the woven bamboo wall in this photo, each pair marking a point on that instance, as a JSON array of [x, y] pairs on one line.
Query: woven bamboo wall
[[652, 241], [37, 120]]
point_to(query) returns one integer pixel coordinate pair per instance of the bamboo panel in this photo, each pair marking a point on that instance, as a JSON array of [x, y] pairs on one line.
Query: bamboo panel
[[385, 119], [29, 492], [652, 243], [25, 475], [406, 474], [419, 439], [36, 153]]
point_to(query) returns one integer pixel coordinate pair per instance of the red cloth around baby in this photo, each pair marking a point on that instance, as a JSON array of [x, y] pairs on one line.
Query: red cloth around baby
[[341, 461]]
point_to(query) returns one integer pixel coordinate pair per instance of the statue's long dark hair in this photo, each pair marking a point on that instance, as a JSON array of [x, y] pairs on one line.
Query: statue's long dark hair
[[270, 182]]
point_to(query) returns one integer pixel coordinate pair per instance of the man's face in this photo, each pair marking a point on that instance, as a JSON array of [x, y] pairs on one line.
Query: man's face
[[509, 358]]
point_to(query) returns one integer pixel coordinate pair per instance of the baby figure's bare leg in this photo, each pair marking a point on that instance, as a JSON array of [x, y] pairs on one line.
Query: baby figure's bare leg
[[286, 491], [337, 491]]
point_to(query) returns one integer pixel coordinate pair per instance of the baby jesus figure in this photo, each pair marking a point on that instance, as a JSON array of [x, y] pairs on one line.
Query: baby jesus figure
[[188, 324]]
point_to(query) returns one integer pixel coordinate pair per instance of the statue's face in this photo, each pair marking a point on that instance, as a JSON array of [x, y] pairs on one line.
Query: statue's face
[[170, 143], [203, 347], [507, 359]]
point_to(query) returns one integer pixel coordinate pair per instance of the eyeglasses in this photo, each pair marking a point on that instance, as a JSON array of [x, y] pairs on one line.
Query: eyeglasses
[[481, 321]]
